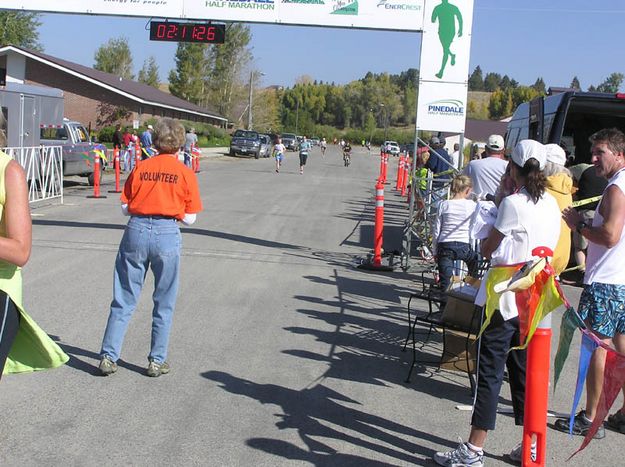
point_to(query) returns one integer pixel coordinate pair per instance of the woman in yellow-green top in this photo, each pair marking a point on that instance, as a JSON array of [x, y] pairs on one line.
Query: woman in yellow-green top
[[23, 345]]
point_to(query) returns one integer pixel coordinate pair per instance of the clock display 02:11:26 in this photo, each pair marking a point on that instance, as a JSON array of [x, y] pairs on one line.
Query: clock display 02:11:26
[[187, 32]]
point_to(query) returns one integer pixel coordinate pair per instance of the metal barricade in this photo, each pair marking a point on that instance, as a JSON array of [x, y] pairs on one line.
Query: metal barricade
[[44, 170]]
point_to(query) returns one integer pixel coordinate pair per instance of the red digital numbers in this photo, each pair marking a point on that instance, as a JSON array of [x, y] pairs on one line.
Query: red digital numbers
[[198, 32], [187, 32], [167, 31]]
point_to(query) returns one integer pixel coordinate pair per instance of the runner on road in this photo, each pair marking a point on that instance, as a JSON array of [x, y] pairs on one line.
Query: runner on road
[[278, 152]]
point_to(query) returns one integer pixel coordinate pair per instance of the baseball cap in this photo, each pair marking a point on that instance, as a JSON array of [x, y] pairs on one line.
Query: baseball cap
[[495, 142], [528, 149], [434, 140], [150, 127], [555, 154]]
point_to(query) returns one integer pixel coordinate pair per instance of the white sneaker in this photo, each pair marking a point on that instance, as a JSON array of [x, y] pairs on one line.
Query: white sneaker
[[462, 456], [517, 453]]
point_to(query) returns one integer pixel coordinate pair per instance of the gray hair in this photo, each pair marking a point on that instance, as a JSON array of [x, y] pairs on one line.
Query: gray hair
[[554, 169], [169, 135]]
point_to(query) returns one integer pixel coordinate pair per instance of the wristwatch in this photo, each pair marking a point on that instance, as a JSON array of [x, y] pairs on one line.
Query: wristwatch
[[581, 225]]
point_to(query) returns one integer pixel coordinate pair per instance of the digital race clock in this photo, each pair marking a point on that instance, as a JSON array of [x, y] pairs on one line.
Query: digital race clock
[[206, 33]]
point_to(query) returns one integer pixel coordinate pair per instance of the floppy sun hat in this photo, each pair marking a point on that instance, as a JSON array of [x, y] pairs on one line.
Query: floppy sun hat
[[528, 149]]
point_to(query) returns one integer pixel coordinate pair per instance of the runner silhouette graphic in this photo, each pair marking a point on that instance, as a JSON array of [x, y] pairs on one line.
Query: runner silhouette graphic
[[446, 14]]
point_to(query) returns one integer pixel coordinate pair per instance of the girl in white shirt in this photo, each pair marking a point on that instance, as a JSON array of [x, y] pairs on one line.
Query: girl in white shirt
[[451, 240], [278, 152]]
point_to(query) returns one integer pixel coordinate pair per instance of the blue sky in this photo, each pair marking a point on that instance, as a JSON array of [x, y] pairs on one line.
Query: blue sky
[[524, 39]]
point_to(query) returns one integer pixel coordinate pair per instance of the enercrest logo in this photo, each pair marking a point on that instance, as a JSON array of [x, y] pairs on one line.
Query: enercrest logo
[[446, 107], [398, 5]]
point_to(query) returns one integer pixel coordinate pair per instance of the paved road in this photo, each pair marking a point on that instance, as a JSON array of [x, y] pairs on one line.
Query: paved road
[[282, 353]]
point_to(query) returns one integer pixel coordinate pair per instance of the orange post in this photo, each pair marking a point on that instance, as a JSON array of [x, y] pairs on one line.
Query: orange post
[[407, 169], [195, 157], [384, 167], [379, 223], [400, 172], [137, 154], [96, 177], [381, 176], [117, 169], [537, 395]]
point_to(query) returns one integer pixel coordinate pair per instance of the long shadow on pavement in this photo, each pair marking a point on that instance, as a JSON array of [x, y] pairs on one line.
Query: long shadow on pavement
[[82, 365], [194, 231], [319, 413]]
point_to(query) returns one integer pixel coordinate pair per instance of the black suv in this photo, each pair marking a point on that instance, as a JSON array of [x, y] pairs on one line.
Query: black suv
[[245, 142]]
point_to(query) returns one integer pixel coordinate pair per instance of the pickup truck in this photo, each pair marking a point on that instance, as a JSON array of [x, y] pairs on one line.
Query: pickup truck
[[245, 142], [78, 149]]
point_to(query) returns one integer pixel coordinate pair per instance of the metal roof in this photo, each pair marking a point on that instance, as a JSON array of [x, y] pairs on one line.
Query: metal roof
[[139, 92]]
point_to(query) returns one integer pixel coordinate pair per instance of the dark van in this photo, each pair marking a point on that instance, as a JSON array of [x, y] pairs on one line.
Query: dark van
[[568, 119]]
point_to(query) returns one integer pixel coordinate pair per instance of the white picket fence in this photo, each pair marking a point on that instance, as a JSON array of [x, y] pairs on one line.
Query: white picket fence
[[44, 170]]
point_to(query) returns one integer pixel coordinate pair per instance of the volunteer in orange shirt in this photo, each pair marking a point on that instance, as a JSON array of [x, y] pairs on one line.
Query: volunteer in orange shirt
[[158, 194]]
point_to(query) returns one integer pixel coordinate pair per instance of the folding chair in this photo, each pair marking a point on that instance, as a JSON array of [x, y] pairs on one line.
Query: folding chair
[[440, 315]]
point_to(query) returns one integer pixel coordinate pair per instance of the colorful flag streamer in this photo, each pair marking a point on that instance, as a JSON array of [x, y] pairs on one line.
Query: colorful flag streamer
[[588, 347], [570, 322], [495, 275], [533, 303], [613, 380]]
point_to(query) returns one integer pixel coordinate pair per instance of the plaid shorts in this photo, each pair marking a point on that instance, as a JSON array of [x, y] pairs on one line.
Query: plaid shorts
[[602, 306]]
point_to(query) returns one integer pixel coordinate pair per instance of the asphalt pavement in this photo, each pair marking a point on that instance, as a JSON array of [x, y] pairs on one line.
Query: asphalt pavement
[[282, 352]]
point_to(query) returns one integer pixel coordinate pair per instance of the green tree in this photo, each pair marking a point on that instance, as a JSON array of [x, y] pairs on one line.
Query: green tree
[[491, 82], [224, 67], [476, 80], [187, 80], [115, 57], [506, 83], [575, 83], [612, 83], [149, 73], [20, 28], [540, 86]]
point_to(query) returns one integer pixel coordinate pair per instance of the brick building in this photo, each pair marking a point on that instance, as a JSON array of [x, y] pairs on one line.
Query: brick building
[[94, 97]]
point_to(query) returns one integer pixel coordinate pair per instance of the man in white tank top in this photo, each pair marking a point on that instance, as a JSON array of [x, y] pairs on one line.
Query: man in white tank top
[[602, 304]]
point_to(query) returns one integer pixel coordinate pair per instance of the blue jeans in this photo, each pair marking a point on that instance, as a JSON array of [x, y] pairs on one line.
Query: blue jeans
[[187, 157], [447, 253], [152, 242]]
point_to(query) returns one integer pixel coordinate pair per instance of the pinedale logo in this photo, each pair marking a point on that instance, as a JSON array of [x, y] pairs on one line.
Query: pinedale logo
[[447, 107]]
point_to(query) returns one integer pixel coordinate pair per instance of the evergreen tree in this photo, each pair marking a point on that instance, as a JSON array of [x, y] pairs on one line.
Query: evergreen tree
[[115, 57], [505, 83], [575, 83], [149, 73], [540, 87], [491, 82], [20, 28], [611, 84], [224, 66], [187, 80], [476, 81]]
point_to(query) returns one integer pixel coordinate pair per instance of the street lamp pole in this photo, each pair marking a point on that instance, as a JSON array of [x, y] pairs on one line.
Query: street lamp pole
[[385, 120]]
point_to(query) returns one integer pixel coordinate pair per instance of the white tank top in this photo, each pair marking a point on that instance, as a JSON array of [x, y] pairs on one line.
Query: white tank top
[[603, 264]]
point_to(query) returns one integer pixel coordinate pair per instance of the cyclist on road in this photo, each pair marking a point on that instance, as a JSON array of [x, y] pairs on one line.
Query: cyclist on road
[[347, 153]]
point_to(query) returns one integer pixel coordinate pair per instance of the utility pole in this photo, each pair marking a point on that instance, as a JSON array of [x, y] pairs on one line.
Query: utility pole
[[250, 100], [296, 115]]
